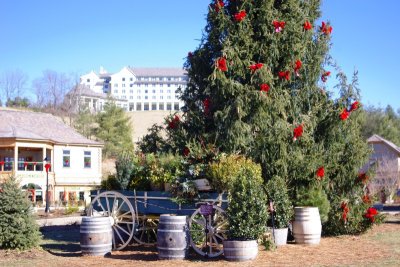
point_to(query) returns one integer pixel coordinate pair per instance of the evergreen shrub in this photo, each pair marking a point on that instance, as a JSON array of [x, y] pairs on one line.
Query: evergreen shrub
[[222, 172], [283, 209], [314, 197], [18, 228], [247, 211]]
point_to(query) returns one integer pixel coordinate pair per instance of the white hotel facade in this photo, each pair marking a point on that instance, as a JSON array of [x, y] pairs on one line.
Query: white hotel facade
[[139, 89]]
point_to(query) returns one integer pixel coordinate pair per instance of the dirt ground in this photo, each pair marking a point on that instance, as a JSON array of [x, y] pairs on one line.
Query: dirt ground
[[378, 247]]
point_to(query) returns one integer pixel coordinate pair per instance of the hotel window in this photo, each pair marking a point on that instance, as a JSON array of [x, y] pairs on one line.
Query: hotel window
[[131, 97], [115, 91], [146, 97], [161, 97], [87, 159], [176, 96], [153, 97], [146, 91], [123, 85], [161, 91], [161, 106], [138, 91], [154, 85], [176, 106], [66, 158], [168, 91], [161, 85], [81, 195], [153, 91], [153, 106], [115, 84], [131, 79], [131, 85], [138, 85], [131, 91], [123, 91], [169, 106], [146, 85], [88, 80], [169, 97], [138, 97], [169, 85]]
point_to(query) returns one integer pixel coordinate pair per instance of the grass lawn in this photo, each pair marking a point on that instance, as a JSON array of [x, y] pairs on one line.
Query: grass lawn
[[378, 247]]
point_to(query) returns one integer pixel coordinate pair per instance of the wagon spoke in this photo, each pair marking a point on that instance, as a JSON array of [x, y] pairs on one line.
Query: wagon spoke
[[101, 206], [200, 223], [119, 235], [122, 229], [108, 206]]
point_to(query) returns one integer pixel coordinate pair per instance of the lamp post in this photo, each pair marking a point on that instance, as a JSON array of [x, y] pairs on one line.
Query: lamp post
[[47, 167]]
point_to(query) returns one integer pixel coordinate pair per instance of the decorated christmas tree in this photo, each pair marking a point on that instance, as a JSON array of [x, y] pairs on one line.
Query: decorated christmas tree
[[257, 87]]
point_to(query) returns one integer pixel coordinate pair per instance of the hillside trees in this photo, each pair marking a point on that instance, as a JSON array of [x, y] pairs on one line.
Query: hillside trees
[[114, 128]]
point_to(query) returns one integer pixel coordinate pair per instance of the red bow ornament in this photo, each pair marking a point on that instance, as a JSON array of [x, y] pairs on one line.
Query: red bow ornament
[[240, 16], [326, 29], [279, 25], [284, 75], [297, 132], [221, 64], [307, 25]]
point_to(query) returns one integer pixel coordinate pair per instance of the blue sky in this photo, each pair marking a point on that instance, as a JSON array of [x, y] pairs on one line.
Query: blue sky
[[77, 36]]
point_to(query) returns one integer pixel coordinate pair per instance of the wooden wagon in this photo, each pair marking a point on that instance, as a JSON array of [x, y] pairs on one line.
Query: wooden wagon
[[134, 217]]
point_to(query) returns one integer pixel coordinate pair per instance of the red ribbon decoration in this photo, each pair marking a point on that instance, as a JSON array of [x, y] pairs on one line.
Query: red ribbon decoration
[[1, 163], [47, 167]]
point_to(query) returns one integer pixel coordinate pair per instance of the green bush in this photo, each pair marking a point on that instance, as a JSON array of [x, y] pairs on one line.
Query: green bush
[[222, 172], [18, 229], [110, 183], [247, 211], [71, 209], [283, 209], [314, 197]]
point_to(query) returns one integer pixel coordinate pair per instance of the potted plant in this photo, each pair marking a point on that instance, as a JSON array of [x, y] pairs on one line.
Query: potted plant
[[247, 216], [282, 209], [312, 208]]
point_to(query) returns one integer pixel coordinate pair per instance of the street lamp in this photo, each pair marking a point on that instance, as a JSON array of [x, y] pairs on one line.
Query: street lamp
[[47, 167]]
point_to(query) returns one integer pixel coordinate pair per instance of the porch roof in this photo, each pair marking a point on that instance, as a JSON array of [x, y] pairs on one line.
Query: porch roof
[[39, 126]]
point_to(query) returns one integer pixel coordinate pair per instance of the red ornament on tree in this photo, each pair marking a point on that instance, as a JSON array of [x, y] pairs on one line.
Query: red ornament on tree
[[221, 64], [297, 132], [362, 177], [326, 29], [218, 5], [297, 66], [325, 75], [354, 106], [174, 122], [256, 66], [264, 88], [279, 25], [371, 212], [186, 151], [344, 115], [345, 209], [307, 25], [240, 15], [284, 75], [320, 173], [206, 104]]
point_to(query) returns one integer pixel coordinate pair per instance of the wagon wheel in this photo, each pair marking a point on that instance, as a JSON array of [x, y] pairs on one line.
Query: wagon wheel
[[122, 216], [146, 230], [208, 231]]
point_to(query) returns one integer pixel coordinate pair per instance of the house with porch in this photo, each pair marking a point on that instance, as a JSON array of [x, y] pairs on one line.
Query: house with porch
[[30, 140]]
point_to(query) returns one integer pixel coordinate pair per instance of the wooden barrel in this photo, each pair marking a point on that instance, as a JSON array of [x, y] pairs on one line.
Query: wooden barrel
[[307, 225], [96, 236], [172, 242], [240, 250]]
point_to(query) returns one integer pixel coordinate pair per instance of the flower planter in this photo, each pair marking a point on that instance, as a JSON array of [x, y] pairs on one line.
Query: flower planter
[[307, 225], [235, 250], [280, 236]]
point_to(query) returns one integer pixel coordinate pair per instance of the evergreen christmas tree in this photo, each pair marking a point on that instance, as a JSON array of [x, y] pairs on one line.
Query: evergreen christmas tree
[[18, 229], [257, 86]]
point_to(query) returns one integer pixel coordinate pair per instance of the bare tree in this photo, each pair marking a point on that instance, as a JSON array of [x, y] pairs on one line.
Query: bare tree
[[51, 88], [12, 83], [387, 178]]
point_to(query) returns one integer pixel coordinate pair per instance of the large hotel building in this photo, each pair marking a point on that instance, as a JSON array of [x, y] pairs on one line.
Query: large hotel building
[[134, 89]]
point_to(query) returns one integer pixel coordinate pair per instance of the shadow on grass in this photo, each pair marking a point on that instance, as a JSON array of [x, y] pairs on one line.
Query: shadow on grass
[[149, 253], [61, 240]]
